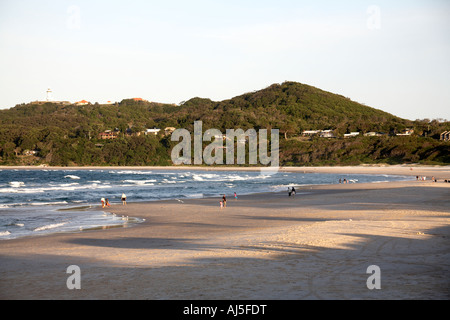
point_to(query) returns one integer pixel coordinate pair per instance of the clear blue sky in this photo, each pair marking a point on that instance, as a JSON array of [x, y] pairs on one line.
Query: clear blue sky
[[391, 55]]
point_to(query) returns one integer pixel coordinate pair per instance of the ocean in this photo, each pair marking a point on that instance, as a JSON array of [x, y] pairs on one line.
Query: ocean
[[39, 202]]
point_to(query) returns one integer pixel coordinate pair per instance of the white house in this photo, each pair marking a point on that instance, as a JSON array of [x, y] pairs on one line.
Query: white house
[[152, 131], [351, 134], [406, 132], [326, 134], [310, 132]]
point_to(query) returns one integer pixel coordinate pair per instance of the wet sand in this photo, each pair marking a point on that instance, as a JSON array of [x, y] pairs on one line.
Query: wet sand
[[316, 245]]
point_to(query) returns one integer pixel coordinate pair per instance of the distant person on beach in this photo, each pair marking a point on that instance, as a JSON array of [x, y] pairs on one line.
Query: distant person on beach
[[235, 196], [289, 191], [124, 199], [103, 202], [293, 191], [107, 203], [221, 205], [224, 199]]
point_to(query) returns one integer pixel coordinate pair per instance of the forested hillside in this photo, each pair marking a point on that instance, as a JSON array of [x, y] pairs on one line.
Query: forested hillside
[[68, 135]]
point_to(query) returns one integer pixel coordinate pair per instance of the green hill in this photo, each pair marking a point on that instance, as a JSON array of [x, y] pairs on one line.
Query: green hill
[[69, 135]]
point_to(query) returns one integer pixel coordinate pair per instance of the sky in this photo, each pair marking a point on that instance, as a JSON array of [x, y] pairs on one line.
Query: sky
[[390, 55]]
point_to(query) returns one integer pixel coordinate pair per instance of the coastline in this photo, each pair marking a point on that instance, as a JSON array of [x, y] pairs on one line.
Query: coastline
[[440, 172], [316, 245]]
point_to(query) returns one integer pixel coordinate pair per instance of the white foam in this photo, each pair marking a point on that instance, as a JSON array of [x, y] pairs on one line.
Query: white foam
[[72, 177], [197, 178], [140, 182], [17, 184], [5, 233], [131, 172], [64, 187], [69, 184], [195, 195], [47, 203], [50, 226]]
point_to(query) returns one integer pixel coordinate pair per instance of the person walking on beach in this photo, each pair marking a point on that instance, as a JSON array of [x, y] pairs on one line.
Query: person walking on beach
[[124, 199], [235, 196], [224, 199], [293, 191]]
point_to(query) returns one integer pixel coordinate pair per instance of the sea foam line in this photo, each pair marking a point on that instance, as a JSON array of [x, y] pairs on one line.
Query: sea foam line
[[50, 226]]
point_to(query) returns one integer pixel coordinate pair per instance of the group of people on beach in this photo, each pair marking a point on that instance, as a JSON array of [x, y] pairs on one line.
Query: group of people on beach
[[291, 191], [424, 178], [223, 202], [105, 202]]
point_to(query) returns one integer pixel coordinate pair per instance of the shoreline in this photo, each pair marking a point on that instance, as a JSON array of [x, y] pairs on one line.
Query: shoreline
[[440, 172], [316, 245]]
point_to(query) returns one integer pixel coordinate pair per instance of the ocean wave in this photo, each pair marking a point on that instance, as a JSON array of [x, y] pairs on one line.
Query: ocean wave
[[50, 226], [17, 184], [48, 203], [202, 177], [72, 177], [64, 187], [68, 184], [140, 182], [168, 181], [194, 196], [130, 172], [5, 233]]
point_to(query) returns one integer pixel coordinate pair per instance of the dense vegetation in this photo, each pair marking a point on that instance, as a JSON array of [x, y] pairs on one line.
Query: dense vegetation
[[66, 135]]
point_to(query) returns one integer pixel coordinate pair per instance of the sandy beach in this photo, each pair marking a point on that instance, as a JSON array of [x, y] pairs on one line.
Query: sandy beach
[[316, 245]]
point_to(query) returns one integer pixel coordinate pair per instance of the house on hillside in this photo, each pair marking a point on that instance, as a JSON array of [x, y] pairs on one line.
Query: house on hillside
[[406, 132], [82, 103], [108, 135], [320, 133], [153, 131], [327, 134], [374, 134], [30, 152], [310, 133], [129, 132], [351, 135]]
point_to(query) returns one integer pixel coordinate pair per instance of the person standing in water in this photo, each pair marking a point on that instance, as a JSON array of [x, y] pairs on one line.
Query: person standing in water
[[224, 199], [124, 199]]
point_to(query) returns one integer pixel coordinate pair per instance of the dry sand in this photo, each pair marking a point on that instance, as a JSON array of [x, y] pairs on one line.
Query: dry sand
[[316, 245]]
